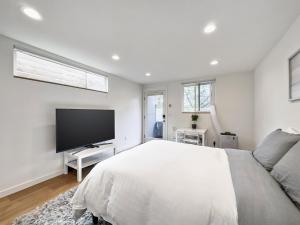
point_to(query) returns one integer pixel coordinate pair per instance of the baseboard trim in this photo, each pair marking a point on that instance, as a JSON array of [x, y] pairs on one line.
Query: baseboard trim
[[27, 184]]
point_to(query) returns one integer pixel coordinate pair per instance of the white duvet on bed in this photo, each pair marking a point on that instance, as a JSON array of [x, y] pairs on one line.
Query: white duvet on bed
[[161, 183]]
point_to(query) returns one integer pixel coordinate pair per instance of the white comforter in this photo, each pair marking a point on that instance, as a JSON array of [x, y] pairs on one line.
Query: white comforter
[[161, 183]]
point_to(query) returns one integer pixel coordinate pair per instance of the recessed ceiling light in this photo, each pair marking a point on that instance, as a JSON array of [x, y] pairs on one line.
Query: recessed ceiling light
[[148, 74], [209, 28], [32, 13], [115, 57], [214, 62]]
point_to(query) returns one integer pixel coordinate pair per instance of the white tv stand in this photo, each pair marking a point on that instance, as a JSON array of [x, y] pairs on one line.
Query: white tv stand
[[79, 159]]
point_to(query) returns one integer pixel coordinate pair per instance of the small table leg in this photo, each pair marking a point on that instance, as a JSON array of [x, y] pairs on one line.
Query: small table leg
[[79, 170], [65, 163]]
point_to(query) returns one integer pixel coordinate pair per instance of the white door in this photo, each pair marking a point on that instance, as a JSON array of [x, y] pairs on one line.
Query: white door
[[155, 121]]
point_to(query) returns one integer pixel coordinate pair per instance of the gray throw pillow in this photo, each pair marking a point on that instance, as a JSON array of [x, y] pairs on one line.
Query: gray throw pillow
[[274, 147], [287, 173]]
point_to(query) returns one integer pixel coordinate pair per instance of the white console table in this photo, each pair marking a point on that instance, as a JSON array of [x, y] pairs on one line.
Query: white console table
[[79, 159], [191, 136]]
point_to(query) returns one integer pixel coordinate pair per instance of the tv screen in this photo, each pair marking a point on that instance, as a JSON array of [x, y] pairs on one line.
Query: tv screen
[[83, 127]]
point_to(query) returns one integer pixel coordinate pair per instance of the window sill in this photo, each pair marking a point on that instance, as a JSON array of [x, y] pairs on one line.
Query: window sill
[[195, 112]]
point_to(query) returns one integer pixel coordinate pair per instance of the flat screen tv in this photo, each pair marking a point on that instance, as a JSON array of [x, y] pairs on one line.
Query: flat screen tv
[[83, 127]]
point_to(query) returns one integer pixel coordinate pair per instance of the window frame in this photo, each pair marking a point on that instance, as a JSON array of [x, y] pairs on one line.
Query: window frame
[[212, 95], [59, 62]]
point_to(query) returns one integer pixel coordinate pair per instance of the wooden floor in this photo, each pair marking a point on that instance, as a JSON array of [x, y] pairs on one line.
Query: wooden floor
[[21, 202]]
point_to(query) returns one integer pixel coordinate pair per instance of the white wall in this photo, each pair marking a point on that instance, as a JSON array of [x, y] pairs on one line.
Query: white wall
[[272, 108], [234, 103], [27, 121]]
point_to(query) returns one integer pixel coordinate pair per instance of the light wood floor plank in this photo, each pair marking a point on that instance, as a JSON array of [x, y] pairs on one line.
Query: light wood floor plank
[[26, 200]]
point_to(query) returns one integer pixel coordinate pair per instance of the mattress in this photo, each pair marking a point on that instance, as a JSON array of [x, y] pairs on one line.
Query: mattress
[[161, 183], [260, 199]]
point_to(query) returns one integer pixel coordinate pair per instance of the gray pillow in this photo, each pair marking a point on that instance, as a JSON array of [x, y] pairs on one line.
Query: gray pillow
[[274, 147], [287, 173]]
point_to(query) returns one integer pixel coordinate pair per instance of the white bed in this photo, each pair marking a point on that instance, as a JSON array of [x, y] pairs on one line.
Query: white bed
[[161, 183]]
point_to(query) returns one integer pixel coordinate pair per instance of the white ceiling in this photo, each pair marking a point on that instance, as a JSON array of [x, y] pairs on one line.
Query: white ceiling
[[164, 37]]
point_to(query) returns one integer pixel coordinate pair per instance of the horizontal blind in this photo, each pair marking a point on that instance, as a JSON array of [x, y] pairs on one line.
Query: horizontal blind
[[34, 67], [96, 82], [193, 83]]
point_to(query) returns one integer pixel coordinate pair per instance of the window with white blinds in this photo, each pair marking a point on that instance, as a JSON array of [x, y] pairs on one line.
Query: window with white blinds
[[34, 67]]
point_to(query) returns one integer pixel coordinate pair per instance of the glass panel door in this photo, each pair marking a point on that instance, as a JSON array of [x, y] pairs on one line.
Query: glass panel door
[[155, 118]]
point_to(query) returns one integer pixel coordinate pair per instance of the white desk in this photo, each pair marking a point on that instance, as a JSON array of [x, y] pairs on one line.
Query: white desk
[[192, 136], [87, 157]]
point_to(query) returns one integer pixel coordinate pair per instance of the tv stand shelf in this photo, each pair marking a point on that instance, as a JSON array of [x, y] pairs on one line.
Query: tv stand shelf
[[81, 158]]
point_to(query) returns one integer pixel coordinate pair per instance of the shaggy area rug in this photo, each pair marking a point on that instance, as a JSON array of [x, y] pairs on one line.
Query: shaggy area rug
[[54, 212]]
